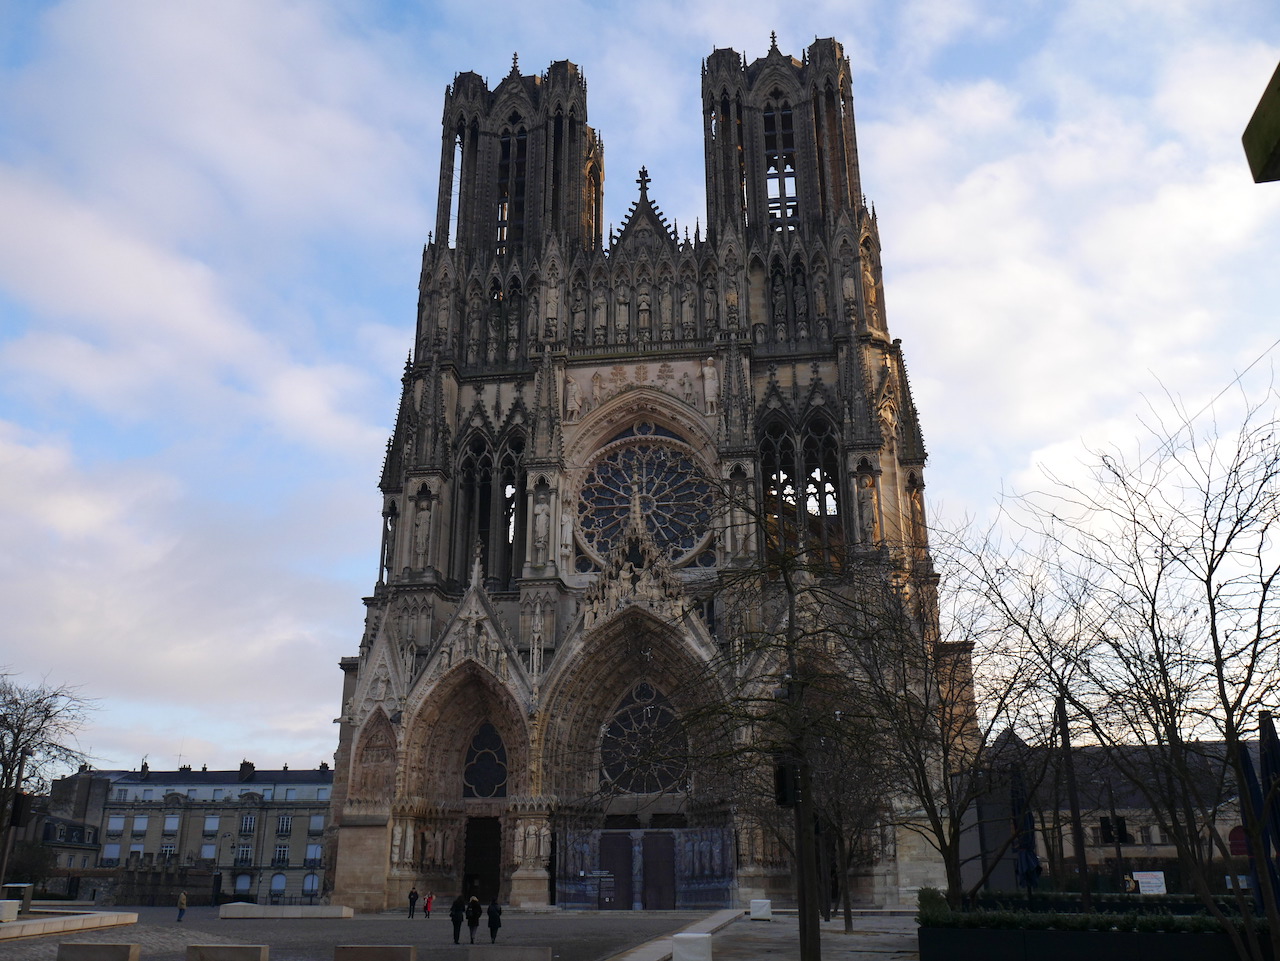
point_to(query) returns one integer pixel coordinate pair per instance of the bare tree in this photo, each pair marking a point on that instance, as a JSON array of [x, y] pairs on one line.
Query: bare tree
[[38, 726], [1149, 598]]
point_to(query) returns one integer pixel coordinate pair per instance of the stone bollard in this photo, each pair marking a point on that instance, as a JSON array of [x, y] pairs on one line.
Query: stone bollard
[[375, 952], [691, 947], [228, 952], [761, 910], [88, 951]]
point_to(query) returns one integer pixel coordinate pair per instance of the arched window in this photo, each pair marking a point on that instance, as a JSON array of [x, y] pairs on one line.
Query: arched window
[[242, 883], [644, 749], [311, 884], [780, 488], [485, 774], [278, 882], [475, 507], [780, 166], [822, 487], [513, 149], [1239, 842]]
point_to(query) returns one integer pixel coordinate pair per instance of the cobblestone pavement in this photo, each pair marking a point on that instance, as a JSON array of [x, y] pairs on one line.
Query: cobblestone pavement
[[572, 936], [874, 938]]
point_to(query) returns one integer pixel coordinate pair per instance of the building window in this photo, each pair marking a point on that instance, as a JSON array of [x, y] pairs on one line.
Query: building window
[[166, 851], [135, 850], [211, 825], [247, 823], [640, 743], [316, 824], [110, 855], [314, 855], [281, 858], [322, 794], [122, 794], [242, 883], [217, 794], [291, 794], [780, 167], [244, 854], [62, 832], [115, 824], [146, 794], [310, 884], [192, 793], [277, 884], [208, 851], [171, 823], [84, 861], [284, 824], [139, 825], [485, 774]]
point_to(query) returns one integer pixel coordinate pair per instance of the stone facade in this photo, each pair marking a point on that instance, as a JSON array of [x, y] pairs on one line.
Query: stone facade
[[248, 834], [581, 425]]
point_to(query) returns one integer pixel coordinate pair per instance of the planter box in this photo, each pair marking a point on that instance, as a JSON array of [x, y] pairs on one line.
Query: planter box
[[999, 944]]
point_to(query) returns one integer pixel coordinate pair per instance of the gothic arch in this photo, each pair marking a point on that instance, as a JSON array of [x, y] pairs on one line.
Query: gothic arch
[[374, 769], [584, 690], [444, 723], [626, 408]]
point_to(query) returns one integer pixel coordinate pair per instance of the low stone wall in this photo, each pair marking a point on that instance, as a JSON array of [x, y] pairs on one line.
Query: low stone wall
[[88, 951], [243, 909]]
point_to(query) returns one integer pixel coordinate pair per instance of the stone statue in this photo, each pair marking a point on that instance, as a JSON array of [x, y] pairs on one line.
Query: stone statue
[[599, 316], [579, 317], [422, 530], [622, 314], [541, 527], [868, 508], [642, 313], [709, 314], [597, 389], [572, 399], [711, 385]]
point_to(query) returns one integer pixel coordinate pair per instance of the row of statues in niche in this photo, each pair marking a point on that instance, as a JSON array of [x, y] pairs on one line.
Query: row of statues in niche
[[667, 311]]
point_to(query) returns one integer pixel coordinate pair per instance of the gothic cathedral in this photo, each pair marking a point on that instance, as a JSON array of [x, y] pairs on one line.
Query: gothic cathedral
[[553, 497]]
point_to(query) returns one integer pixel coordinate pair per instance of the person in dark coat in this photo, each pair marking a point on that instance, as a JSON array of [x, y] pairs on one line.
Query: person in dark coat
[[458, 914], [473, 916], [495, 920], [413, 900]]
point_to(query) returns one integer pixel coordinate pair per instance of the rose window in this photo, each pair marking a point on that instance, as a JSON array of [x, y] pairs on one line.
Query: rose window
[[657, 475], [644, 750]]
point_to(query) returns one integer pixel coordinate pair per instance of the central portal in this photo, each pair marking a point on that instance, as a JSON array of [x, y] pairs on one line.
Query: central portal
[[482, 868]]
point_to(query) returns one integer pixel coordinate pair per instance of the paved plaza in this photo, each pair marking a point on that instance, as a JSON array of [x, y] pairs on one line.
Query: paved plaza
[[572, 936]]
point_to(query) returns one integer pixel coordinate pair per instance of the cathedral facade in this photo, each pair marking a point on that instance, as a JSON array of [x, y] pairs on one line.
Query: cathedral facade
[[575, 411]]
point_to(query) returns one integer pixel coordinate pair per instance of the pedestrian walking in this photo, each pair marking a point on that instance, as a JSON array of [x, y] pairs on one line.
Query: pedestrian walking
[[473, 916], [413, 899], [458, 914], [431, 899], [495, 920], [182, 904]]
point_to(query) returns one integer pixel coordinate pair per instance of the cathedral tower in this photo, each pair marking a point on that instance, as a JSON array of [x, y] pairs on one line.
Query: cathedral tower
[[553, 495]]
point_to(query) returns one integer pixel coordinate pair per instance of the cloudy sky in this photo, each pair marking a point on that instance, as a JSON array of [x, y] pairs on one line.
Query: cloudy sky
[[211, 218]]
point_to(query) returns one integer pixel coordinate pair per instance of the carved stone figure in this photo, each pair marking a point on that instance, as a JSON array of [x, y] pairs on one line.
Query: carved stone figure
[[599, 316], [572, 399], [541, 527], [579, 317], [868, 508], [642, 313], [422, 530], [711, 385]]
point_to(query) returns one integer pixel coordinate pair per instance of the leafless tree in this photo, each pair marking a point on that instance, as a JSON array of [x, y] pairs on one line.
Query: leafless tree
[[1148, 595]]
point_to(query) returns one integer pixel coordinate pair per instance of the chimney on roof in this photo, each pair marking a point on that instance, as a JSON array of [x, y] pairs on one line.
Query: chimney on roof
[[204, 767], [324, 765], [184, 767], [246, 770], [286, 767], [146, 770]]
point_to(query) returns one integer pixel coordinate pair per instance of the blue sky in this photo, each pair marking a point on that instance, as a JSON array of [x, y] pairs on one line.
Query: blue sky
[[211, 218]]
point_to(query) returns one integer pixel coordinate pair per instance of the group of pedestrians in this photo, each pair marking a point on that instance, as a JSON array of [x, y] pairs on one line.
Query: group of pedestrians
[[463, 910]]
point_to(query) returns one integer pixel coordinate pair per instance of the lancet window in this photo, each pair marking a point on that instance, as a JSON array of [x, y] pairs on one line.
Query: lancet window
[[780, 166], [513, 155], [801, 488]]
